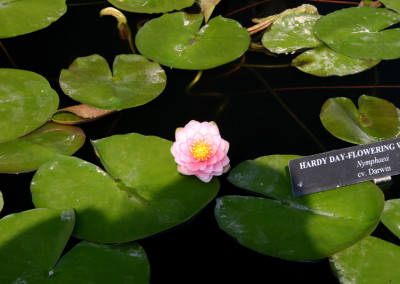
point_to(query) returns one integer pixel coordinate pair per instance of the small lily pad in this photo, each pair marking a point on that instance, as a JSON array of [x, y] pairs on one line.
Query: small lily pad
[[309, 227], [143, 193], [31, 151], [78, 114], [361, 32], [325, 62], [293, 32], [135, 81], [151, 6], [375, 120], [20, 17], [26, 101], [1, 201], [370, 261], [391, 216], [175, 40]]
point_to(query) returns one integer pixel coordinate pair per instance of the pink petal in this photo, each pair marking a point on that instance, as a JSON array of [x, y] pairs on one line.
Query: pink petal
[[203, 176]]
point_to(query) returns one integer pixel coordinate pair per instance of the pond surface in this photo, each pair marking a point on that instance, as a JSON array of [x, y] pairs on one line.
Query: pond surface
[[260, 111]]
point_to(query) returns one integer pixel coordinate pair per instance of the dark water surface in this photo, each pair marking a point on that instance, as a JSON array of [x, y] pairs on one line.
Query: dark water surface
[[243, 106]]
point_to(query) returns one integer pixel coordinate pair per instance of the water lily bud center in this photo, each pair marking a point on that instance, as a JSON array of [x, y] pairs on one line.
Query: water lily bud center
[[201, 150]]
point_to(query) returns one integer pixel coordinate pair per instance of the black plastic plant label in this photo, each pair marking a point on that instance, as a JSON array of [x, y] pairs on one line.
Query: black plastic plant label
[[345, 166]]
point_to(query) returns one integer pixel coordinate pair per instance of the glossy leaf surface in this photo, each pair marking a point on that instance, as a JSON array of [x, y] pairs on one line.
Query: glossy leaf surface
[[31, 151], [374, 120], [325, 62], [293, 32], [176, 40], [26, 101], [134, 81], [309, 227], [370, 261], [361, 32], [20, 17], [143, 194], [151, 6], [391, 216], [392, 4]]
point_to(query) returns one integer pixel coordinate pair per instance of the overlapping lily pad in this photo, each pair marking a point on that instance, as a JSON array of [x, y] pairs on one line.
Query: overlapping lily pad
[[24, 16], [309, 227], [142, 194], [134, 81], [392, 4], [31, 243], [370, 261], [1, 201], [361, 32], [391, 216], [26, 101], [375, 119], [31, 151], [151, 6], [176, 40]]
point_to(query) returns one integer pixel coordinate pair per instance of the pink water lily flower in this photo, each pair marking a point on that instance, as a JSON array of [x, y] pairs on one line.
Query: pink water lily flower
[[199, 150]]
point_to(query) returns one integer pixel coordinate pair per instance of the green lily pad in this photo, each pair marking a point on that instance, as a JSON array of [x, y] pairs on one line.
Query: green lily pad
[[370, 261], [151, 6], [1, 201], [392, 4], [142, 195], [20, 17], [361, 32], [391, 216], [175, 40], [326, 62], [26, 101], [135, 81], [293, 32], [31, 151], [375, 120], [309, 227]]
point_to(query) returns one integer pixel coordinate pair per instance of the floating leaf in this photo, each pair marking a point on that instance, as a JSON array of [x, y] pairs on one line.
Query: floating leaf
[[31, 151], [25, 16], [1, 201], [370, 261], [326, 62], [175, 40], [79, 114], [391, 216], [293, 32], [143, 194], [26, 101], [392, 4], [375, 120], [361, 32], [151, 6], [207, 7], [135, 81], [309, 227]]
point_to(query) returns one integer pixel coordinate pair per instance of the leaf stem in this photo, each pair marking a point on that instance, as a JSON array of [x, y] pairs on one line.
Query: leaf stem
[[8, 55], [246, 7]]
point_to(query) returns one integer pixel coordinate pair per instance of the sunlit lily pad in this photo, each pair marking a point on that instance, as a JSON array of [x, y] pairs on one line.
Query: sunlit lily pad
[[370, 261], [309, 227], [176, 40], [391, 216], [24, 16], [375, 120], [293, 32], [134, 81], [151, 6], [392, 4], [361, 32], [326, 62], [31, 151], [26, 102], [143, 193], [31, 243]]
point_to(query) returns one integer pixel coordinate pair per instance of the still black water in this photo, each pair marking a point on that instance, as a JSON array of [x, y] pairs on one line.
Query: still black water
[[243, 106]]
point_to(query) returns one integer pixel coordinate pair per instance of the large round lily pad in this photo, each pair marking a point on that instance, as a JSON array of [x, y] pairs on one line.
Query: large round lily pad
[[309, 227], [375, 119], [391, 216], [361, 32], [134, 81], [31, 151], [142, 195], [24, 16], [26, 101], [151, 6], [176, 40], [370, 261]]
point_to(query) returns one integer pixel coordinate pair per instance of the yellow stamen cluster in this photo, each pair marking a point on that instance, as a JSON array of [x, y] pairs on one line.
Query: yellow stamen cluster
[[201, 150]]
